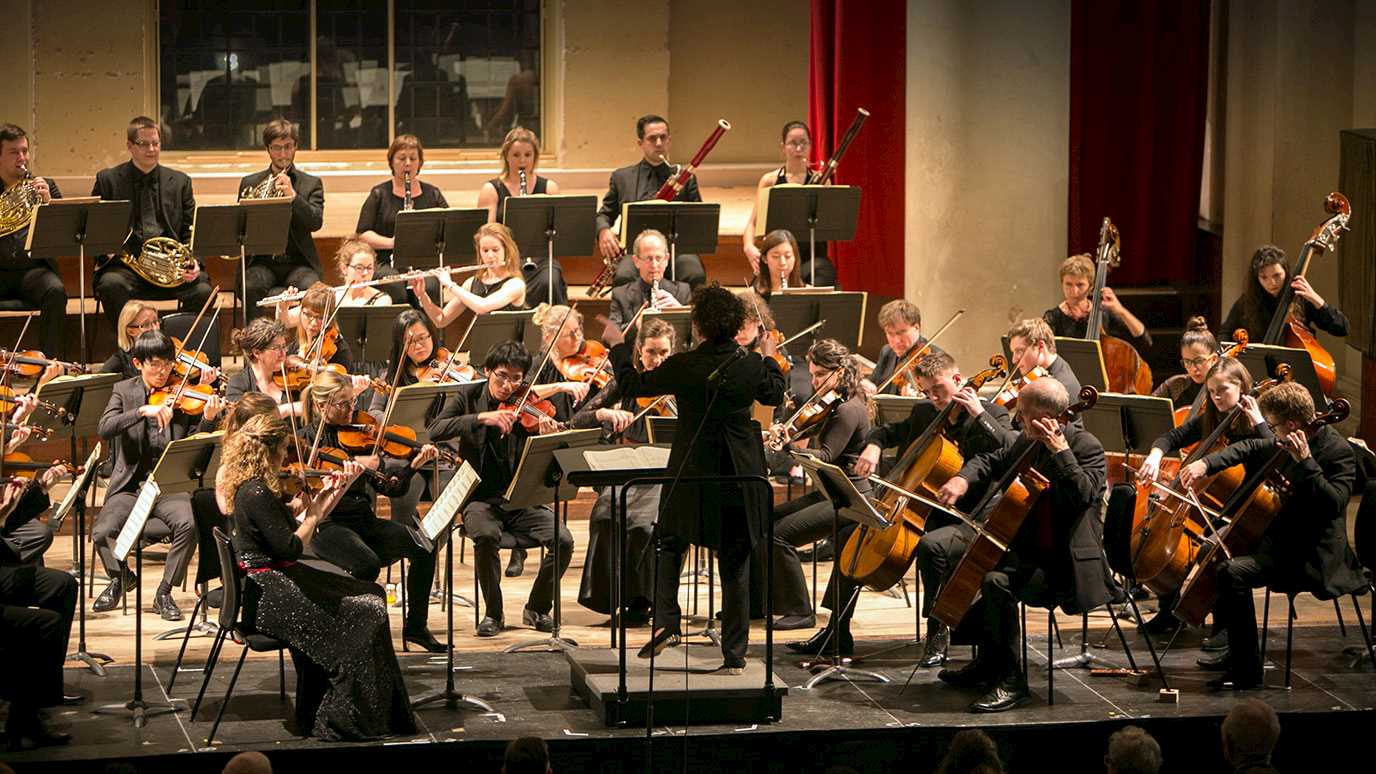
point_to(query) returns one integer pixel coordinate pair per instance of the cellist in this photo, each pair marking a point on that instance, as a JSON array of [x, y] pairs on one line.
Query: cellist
[[1305, 548], [1267, 277], [976, 427], [1056, 558]]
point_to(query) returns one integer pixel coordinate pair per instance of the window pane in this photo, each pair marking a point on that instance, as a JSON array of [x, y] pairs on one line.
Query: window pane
[[351, 74], [227, 73], [466, 75]]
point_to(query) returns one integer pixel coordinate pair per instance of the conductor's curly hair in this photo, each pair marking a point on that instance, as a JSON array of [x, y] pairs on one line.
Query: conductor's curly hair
[[717, 313]]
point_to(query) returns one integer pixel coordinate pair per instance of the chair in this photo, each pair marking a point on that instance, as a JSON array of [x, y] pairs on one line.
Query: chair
[[207, 514], [178, 325], [1290, 595], [506, 542], [241, 631]]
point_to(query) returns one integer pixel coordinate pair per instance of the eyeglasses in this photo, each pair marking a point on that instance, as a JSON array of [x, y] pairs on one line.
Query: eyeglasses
[[505, 378], [276, 347], [799, 144], [282, 148], [149, 144], [340, 403], [1196, 362], [362, 267], [148, 326], [158, 364]]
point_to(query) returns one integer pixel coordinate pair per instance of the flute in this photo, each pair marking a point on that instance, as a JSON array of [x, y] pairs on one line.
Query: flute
[[284, 298]]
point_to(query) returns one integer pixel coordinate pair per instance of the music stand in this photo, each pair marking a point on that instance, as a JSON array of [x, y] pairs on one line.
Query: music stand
[[1262, 361], [428, 239], [131, 538], [187, 463], [538, 479], [679, 317], [83, 399], [843, 311], [248, 227], [690, 227], [65, 227], [894, 408], [824, 212], [660, 430], [556, 226], [439, 520], [496, 327], [368, 329]]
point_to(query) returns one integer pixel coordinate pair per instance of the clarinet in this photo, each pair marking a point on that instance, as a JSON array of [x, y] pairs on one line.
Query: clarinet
[[654, 291], [529, 262], [406, 203], [522, 173]]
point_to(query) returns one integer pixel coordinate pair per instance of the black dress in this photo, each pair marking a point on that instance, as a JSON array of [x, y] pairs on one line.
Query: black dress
[[535, 270], [379, 213], [1063, 324], [349, 685], [826, 270]]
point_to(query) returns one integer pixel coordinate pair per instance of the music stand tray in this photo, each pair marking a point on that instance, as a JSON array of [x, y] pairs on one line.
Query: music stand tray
[[65, 228], [250, 227], [837, 487], [87, 393], [428, 239], [532, 482], [843, 311], [565, 222], [1262, 361], [411, 403], [894, 408], [1127, 424], [368, 329], [690, 227], [496, 327], [660, 430], [817, 213], [188, 463], [1083, 355]]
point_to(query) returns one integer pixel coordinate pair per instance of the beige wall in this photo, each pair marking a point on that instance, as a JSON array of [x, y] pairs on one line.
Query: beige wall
[[987, 164]]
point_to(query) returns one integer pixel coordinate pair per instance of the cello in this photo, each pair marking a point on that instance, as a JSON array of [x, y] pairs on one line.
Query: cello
[[1019, 492], [1287, 328], [878, 558], [1250, 512], [1127, 371]]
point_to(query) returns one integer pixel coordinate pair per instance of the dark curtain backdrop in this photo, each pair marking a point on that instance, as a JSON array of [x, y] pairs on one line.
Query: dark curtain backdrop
[[1139, 81], [858, 60]]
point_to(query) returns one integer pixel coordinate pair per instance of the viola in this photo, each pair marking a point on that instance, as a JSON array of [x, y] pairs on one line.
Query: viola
[[586, 365], [331, 459], [915, 354], [1008, 396], [362, 436], [8, 405], [189, 360], [21, 465], [36, 432], [185, 397], [662, 406], [531, 409], [811, 415], [443, 369], [906, 383], [297, 478], [1287, 328], [31, 363], [1126, 370]]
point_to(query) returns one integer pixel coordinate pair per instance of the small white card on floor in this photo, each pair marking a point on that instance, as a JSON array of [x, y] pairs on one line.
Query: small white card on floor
[[133, 526], [449, 502], [65, 507]]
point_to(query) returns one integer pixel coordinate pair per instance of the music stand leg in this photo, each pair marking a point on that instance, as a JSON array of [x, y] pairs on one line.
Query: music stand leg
[[812, 251], [136, 708], [81, 272], [554, 643], [242, 300], [93, 661], [838, 670], [549, 268], [451, 698]]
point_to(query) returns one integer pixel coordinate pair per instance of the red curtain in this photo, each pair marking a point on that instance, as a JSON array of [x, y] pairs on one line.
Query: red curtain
[[858, 60], [1139, 82]]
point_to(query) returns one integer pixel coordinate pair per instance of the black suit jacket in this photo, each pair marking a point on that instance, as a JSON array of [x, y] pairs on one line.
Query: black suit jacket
[[307, 213], [132, 437], [990, 432], [637, 183], [12, 252], [627, 299], [491, 453], [176, 204]]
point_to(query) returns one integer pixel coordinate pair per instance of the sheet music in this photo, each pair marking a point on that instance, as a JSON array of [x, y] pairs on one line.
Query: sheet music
[[133, 527], [449, 502], [65, 507], [628, 458]]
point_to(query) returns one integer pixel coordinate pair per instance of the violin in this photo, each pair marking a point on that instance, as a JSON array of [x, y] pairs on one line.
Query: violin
[[297, 478], [811, 415], [906, 382], [778, 357], [8, 405], [329, 345], [586, 365], [185, 397], [1008, 396], [531, 409], [331, 459], [1287, 328], [31, 363], [662, 406], [362, 436], [37, 432], [444, 370], [916, 354], [1126, 370], [19, 467]]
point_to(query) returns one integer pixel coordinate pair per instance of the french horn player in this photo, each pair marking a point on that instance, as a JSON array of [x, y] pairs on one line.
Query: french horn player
[[22, 278]]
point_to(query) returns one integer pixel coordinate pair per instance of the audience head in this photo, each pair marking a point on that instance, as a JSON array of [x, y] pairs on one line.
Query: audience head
[[249, 763], [971, 751], [1250, 732], [1132, 750], [527, 755]]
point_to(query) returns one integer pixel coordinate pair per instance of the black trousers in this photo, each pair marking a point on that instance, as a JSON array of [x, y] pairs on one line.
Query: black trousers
[[1235, 609], [938, 553], [840, 584], [23, 542], [171, 518], [1002, 589], [733, 563], [41, 288], [796, 523], [363, 546], [270, 275], [33, 642], [486, 523], [117, 285], [687, 268]]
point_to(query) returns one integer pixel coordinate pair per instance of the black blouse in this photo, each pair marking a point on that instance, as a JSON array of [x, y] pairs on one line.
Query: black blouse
[[1063, 324], [541, 186], [379, 213], [1329, 319], [264, 531]]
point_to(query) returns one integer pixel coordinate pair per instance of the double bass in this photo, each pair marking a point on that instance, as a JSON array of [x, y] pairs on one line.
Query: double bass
[[1126, 370], [1287, 328], [1020, 492]]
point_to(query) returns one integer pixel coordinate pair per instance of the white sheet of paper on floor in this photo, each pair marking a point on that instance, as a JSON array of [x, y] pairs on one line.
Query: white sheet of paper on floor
[[449, 502], [138, 517]]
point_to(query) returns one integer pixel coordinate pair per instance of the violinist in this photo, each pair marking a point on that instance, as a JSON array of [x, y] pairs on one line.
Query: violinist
[[1228, 384], [1267, 277], [728, 517], [758, 319], [1056, 558], [498, 287], [377, 219], [1198, 353], [570, 371], [778, 263], [264, 344], [491, 437], [652, 288], [1033, 345], [135, 319], [138, 431], [614, 410], [24, 537], [795, 144], [1070, 317], [354, 538], [1305, 548], [317, 307], [976, 427], [901, 321], [837, 438]]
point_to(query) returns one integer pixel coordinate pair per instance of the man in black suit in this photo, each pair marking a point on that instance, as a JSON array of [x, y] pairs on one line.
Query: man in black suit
[[299, 267], [162, 206], [139, 432], [1305, 548], [22, 278], [1056, 559], [651, 251], [637, 183]]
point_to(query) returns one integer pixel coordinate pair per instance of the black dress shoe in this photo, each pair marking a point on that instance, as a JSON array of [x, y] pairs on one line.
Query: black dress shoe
[[1238, 679], [820, 643], [1215, 662], [821, 551], [540, 622], [516, 565], [490, 627], [791, 622], [663, 638], [1009, 693], [732, 667], [1163, 624], [73, 699], [34, 729], [975, 674], [934, 647], [109, 598], [1215, 643], [423, 639], [165, 607]]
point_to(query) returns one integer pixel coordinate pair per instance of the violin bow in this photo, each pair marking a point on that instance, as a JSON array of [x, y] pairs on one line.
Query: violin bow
[[186, 380], [392, 399], [318, 344], [5, 379], [214, 294], [802, 333], [295, 432], [544, 359], [920, 352], [607, 357]]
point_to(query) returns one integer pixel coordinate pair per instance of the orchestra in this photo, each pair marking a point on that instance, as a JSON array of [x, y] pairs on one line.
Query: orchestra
[[1247, 490]]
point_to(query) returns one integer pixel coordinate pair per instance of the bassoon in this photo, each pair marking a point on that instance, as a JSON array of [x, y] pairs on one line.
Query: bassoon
[[675, 183], [821, 178]]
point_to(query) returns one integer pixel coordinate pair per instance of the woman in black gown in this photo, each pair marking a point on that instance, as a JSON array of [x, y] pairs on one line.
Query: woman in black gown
[[349, 685]]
